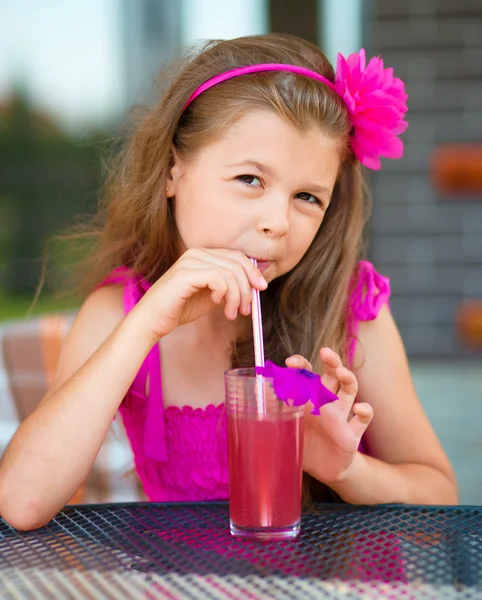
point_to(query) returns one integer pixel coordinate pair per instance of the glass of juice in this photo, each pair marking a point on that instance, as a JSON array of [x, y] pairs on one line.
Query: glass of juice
[[265, 445]]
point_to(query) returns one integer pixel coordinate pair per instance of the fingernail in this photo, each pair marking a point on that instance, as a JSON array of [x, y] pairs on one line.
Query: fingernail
[[263, 282], [248, 310]]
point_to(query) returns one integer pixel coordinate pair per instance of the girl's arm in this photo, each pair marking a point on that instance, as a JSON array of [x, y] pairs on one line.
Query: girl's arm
[[405, 461], [54, 448]]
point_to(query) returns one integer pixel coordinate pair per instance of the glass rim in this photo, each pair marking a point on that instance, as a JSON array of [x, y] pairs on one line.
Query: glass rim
[[246, 377], [245, 373]]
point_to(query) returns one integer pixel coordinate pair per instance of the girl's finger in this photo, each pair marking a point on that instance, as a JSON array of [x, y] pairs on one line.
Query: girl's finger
[[332, 362], [231, 271], [218, 287], [298, 362], [241, 276], [244, 287], [254, 275], [348, 389], [222, 287], [363, 415], [247, 275], [233, 294]]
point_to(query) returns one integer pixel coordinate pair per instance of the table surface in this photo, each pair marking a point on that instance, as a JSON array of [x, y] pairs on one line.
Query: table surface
[[148, 550]]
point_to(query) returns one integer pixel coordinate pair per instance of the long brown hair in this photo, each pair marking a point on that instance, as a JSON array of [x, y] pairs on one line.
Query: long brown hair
[[306, 308]]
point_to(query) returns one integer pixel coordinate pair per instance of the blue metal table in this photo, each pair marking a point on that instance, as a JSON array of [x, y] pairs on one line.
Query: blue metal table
[[149, 551]]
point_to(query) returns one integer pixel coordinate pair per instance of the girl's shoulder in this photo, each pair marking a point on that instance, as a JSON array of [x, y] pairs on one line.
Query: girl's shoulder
[[96, 319], [100, 314], [370, 290]]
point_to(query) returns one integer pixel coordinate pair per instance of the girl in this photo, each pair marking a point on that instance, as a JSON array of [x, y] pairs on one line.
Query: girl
[[255, 151]]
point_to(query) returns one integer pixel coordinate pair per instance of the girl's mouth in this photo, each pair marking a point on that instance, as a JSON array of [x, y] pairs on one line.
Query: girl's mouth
[[264, 264]]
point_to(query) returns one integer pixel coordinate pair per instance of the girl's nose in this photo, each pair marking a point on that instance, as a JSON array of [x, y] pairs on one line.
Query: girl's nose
[[275, 220]]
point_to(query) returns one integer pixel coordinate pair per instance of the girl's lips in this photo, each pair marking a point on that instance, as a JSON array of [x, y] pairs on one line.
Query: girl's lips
[[264, 264], [261, 263]]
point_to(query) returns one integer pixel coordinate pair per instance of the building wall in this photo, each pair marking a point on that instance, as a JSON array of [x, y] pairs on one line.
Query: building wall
[[153, 32], [151, 35], [430, 246]]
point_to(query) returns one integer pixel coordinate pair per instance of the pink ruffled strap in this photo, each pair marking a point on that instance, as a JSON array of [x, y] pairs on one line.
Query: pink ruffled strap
[[134, 286], [370, 292], [155, 445]]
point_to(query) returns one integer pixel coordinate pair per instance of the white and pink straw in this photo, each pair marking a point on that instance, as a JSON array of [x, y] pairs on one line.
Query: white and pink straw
[[258, 346]]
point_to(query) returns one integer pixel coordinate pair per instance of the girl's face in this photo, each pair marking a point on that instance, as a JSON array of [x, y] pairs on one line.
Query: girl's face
[[262, 188]]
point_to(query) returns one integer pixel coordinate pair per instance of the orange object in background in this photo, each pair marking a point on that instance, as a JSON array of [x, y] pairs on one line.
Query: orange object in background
[[469, 323], [456, 169]]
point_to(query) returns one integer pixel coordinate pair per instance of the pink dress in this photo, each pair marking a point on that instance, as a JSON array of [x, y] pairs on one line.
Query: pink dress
[[180, 454]]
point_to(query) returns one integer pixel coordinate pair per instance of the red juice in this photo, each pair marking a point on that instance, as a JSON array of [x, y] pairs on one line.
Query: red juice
[[265, 470]]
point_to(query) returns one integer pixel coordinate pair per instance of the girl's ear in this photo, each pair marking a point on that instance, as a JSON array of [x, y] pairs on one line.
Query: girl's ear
[[175, 171]]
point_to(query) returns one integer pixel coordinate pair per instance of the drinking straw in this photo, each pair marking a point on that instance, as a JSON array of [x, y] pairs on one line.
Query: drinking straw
[[265, 515], [258, 346]]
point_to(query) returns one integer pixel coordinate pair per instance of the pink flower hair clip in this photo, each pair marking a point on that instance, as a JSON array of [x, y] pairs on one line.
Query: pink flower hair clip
[[376, 103], [375, 100]]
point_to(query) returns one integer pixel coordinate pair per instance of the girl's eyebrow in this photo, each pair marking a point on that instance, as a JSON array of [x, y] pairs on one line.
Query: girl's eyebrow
[[262, 168]]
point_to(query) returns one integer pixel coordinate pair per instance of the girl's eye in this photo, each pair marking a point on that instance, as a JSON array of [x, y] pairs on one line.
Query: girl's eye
[[250, 180], [309, 198]]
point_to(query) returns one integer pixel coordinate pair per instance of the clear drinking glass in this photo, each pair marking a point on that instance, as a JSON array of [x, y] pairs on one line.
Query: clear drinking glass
[[265, 458]]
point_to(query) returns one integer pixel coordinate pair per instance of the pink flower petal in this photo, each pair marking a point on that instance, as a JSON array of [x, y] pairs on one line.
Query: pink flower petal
[[400, 128], [383, 145], [376, 102]]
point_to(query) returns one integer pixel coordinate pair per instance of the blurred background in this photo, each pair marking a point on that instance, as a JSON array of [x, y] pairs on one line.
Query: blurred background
[[69, 71]]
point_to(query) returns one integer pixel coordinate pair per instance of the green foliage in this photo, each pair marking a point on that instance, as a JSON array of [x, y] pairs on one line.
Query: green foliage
[[20, 307], [47, 179]]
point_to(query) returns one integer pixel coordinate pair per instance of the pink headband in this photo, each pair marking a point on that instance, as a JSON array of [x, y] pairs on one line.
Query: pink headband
[[375, 100]]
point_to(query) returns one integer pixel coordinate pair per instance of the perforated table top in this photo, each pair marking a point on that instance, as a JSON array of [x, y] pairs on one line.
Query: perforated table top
[[175, 551]]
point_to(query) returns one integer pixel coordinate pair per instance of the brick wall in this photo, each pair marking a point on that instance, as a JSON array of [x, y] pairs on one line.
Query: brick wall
[[430, 247]]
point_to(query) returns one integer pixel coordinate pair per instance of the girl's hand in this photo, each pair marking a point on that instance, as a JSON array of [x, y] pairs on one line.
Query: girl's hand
[[332, 438], [200, 279]]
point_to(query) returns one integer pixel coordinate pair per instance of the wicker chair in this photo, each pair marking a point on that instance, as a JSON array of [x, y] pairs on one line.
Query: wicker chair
[[29, 350]]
